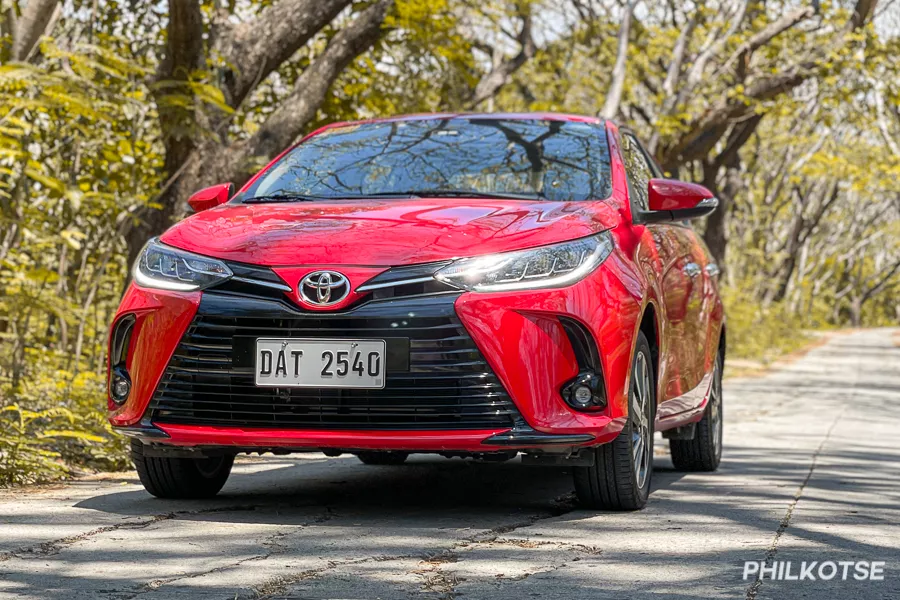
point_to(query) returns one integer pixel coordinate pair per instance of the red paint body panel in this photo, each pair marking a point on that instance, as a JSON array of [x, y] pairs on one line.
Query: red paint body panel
[[211, 197], [533, 358], [658, 267], [431, 441], [161, 318], [669, 194], [382, 232]]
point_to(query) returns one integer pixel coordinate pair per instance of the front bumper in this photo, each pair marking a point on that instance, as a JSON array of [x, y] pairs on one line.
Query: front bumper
[[260, 439], [512, 343]]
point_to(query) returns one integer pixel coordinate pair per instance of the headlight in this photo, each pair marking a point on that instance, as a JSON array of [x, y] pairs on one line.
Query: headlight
[[163, 267], [553, 266]]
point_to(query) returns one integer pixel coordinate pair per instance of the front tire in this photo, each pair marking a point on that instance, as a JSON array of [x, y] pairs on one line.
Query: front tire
[[382, 458], [704, 452], [180, 478], [622, 471]]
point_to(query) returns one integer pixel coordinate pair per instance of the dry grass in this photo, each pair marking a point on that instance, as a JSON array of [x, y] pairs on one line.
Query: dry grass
[[739, 367]]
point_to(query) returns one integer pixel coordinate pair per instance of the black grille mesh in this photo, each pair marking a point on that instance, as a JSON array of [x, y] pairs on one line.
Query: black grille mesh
[[448, 384]]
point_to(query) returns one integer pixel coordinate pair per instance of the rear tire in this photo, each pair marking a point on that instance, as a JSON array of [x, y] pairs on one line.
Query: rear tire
[[704, 452], [382, 458], [180, 478], [622, 471]]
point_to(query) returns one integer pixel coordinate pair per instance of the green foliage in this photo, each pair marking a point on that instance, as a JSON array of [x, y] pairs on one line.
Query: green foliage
[[78, 155], [757, 332], [38, 445]]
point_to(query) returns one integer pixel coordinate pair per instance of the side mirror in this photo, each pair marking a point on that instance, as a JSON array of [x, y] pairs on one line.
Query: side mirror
[[211, 197], [672, 200]]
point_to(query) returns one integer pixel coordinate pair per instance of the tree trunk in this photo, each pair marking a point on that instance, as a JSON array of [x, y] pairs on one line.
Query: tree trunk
[[29, 28], [856, 311], [778, 288], [617, 84], [191, 166], [177, 120], [716, 234]]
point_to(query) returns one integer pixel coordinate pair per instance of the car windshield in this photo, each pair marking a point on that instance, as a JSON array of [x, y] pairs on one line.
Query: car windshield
[[526, 159]]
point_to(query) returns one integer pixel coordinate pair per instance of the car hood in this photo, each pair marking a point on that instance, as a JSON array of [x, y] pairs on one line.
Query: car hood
[[383, 232]]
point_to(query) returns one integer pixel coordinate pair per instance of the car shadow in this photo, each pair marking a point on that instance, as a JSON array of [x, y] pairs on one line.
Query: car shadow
[[272, 487]]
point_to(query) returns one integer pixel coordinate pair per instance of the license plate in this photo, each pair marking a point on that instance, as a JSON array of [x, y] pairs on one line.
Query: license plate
[[332, 363]]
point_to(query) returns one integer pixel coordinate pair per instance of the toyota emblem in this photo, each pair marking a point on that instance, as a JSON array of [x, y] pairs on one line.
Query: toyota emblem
[[324, 288]]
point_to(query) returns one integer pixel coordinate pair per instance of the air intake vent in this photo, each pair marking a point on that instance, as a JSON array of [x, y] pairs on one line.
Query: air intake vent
[[121, 341]]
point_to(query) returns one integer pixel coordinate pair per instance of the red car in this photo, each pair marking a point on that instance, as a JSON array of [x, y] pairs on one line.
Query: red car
[[471, 285]]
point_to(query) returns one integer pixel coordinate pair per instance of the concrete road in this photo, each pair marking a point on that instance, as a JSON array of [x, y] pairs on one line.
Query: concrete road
[[811, 472]]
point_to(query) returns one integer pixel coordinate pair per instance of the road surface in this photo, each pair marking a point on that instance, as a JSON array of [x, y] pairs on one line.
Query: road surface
[[811, 472]]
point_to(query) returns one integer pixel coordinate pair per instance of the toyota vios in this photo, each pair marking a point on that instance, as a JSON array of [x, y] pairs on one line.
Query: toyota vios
[[468, 285]]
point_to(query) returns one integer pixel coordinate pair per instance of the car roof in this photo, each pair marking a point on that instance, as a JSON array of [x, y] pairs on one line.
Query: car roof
[[512, 116]]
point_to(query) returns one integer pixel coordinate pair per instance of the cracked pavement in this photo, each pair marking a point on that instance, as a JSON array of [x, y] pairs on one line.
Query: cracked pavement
[[811, 471]]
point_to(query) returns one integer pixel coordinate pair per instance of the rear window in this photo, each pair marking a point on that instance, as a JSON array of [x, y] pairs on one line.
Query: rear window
[[556, 160]]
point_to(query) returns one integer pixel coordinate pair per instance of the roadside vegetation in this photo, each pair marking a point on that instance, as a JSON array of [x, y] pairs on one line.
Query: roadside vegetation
[[112, 112]]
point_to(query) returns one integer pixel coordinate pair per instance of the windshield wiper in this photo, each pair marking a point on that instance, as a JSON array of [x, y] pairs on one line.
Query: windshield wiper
[[313, 198], [283, 198], [455, 193]]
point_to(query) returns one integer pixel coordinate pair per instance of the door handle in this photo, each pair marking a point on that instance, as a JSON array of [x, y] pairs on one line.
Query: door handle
[[691, 269], [712, 269]]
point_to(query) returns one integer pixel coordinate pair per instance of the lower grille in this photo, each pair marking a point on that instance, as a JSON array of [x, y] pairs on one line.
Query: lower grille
[[446, 383]]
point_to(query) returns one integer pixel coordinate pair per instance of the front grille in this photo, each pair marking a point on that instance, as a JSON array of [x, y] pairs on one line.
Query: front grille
[[445, 384], [254, 281]]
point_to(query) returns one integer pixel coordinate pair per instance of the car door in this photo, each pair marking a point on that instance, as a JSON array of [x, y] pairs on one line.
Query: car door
[[681, 281], [706, 284]]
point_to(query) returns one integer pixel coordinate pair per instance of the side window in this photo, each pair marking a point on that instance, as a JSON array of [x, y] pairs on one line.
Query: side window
[[638, 170]]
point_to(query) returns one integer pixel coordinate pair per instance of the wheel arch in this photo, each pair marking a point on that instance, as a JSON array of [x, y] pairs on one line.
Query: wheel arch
[[649, 326]]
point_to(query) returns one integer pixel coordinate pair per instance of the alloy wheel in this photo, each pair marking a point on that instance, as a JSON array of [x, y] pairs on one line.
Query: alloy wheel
[[715, 408], [641, 441]]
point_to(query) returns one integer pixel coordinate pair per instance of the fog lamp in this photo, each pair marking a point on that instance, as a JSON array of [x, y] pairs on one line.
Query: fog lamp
[[119, 385], [585, 392], [582, 395]]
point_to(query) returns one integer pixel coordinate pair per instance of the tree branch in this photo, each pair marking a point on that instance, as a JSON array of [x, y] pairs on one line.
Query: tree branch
[[881, 117], [707, 130], [744, 51], [861, 13], [288, 122], [617, 84], [713, 48], [881, 283], [503, 68], [672, 76], [252, 50], [739, 135], [678, 53]]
